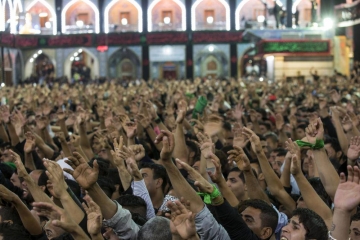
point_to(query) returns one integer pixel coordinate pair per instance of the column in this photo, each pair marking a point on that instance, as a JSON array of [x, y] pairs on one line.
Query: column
[[58, 8], [356, 37], [288, 13], [101, 15], [189, 46], [145, 48]]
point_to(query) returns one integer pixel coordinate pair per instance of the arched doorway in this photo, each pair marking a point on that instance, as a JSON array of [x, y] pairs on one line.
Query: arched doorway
[[124, 64], [123, 16], [211, 61], [80, 16], [39, 67], [40, 18], [81, 65], [166, 15], [210, 15], [18, 10]]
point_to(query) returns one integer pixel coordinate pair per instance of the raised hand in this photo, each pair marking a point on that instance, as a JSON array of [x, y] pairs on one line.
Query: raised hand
[[7, 195], [30, 143], [60, 218], [314, 131], [242, 161], [335, 96], [197, 125], [129, 157], [21, 171], [168, 141], [353, 152], [216, 176], [254, 139], [56, 177], [130, 129], [85, 176], [213, 125], [138, 150], [347, 195], [292, 147], [206, 145], [295, 167], [143, 120], [239, 139], [200, 182], [238, 112], [182, 220], [94, 216]]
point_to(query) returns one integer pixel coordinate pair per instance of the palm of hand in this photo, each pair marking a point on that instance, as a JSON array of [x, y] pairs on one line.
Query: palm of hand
[[347, 125], [347, 196], [294, 168], [353, 152], [93, 224], [29, 146], [185, 228], [85, 175], [207, 149]]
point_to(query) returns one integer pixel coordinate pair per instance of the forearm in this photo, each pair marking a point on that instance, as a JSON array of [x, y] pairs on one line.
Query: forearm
[[150, 131], [180, 150], [13, 136], [344, 143], [203, 166], [256, 191], [48, 152], [97, 237], [340, 224], [313, 200], [36, 192], [107, 206], [30, 223], [29, 161], [79, 234], [81, 152], [227, 193], [125, 177], [71, 207], [282, 137], [84, 140], [327, 173], [182, 187], [285, 175], [65, 148], [48, 139], [131, 141], [3, 134], [63, 127]]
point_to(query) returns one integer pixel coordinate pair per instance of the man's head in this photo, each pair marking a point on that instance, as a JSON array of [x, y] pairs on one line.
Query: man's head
[[272, 140], [156, 228], [355, 227], [279, 161], [260, 217], [333, 148], [155, 178], [236, 182], [264, 127], [228, 135], [133, 203], [305, 224], [300, 131]]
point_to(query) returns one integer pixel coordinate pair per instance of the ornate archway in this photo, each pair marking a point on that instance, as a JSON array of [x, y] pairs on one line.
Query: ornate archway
[[116, 67]]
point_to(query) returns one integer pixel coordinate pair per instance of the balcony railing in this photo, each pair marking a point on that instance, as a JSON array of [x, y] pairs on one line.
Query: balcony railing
[[214, 26], [73, 29], [123, 28], [161, 27]]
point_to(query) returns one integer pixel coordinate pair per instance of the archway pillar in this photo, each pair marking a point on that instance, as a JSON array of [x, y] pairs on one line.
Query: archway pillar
[[233, 60], [58, 6], [103, 64]]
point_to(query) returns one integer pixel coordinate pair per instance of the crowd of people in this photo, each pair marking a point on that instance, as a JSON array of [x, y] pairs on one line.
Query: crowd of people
[[202, 159]]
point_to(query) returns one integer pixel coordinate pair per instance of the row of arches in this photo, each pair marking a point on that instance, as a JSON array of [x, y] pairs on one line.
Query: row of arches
[[79, 16]]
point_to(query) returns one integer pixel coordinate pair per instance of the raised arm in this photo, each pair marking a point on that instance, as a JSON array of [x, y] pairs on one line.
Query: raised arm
[[311, 198], [347, 198], [181, 150], [273, 182], [243, 163]]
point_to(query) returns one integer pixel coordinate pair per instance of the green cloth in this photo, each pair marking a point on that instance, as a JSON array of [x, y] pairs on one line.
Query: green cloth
[[208, 197], [12, 165], [319, 144]]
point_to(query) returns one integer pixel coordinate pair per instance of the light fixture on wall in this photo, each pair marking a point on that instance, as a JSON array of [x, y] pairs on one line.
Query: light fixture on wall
[[79, 24], [72, 59], [43, 14], [35, 55], [210, 20], [80, 50], [31, 60], [261, 19], [76, 54], [40, 52], [77, 59], [124, 21], [211, 48], [167, 20], [48, 24]]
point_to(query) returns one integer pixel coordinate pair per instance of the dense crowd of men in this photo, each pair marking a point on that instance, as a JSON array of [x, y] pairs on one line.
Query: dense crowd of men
[[202, 159]]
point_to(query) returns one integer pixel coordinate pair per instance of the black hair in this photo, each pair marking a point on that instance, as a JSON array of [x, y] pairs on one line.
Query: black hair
[[194, 148], [320, 190], [106, 185], [334, 142], [268, 216], [103, 166], [75, 188], [267, 125], [43, 178], [314, 225], [158, 172], [227, 126], [281, 153], [136, 205], [302, 126], [355, 217], [113, 174], [241, 173], [6, 170], [273, 137]]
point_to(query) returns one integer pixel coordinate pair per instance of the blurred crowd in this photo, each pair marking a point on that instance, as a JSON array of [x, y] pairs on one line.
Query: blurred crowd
[[202, 159]]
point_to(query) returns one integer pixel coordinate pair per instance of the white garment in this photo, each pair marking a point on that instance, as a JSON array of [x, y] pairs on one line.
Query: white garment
[[63, 165]]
